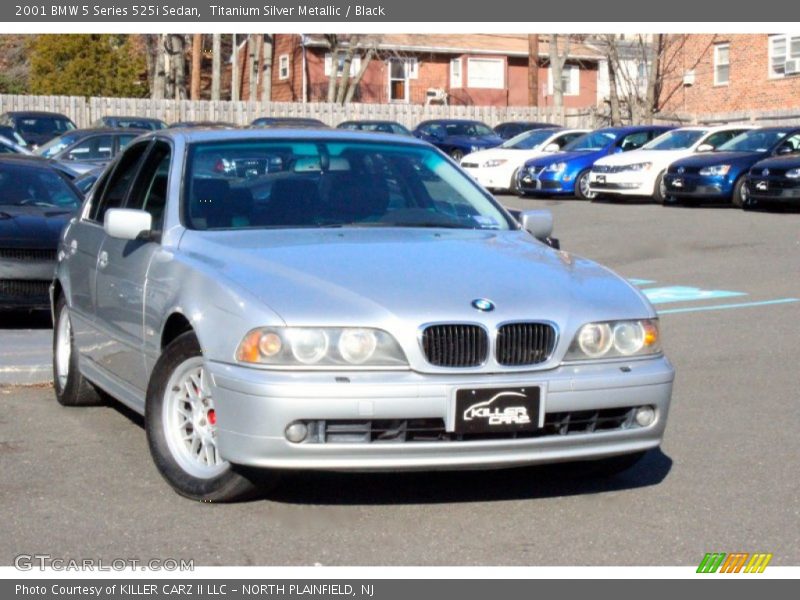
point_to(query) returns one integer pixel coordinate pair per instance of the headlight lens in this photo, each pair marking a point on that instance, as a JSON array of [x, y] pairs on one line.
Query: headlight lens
[[615, 339], [716, 170], [556, 167], [320, 347], [793, 173], [645, 166], [495, 162], [475, 148]]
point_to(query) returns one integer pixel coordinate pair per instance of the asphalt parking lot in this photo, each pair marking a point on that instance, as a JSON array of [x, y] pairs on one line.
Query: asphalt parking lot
[[80, 483]]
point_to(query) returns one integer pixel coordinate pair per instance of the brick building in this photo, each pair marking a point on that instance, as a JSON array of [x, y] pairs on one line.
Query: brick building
[[731, 72], [476, 69]]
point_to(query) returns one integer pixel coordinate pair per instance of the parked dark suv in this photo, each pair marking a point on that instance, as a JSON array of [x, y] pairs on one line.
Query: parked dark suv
[[37, 127]]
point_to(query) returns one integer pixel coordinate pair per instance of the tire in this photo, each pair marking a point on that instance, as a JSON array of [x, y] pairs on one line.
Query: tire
[[582, 191], [660, 191], [513, 187], [740, 192], [71, 388], [456, 155], [202, 474], [607, 467]]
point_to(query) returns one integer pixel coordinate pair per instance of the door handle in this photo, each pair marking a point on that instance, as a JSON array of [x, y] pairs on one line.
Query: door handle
[[102, 261]]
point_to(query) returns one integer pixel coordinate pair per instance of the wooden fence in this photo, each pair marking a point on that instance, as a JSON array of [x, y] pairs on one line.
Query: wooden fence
[[85, 111]]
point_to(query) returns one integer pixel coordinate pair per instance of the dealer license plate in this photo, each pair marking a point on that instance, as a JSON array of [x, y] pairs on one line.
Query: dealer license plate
[[497, 410]]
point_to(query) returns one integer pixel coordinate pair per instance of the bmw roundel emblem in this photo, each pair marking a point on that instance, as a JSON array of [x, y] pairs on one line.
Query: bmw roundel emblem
[[483, 305], [765, 172], [681, 170]]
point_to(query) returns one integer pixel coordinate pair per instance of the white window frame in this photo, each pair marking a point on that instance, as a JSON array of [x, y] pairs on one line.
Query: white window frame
[[718, 64], [574, 88], [283, 66], [499, 85], [410, 70], [456, 73], [355, 64], [787, 55]]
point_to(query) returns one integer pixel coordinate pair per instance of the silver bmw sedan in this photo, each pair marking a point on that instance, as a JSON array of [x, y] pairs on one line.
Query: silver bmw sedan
[[297, 299]]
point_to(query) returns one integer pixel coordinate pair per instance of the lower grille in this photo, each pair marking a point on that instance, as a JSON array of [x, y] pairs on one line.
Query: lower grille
[[433, 430], [23, 289], [470, 165], [28, 254], [524, 343], [455, 345]]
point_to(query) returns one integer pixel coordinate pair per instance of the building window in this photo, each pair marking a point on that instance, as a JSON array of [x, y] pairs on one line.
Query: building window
[[401, 72], [355, 64], [283, 66], [722, 64], [456, 80], [784, 55], [486, 73], [570, 80]]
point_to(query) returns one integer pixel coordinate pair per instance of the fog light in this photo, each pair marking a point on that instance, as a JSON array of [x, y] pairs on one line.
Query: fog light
[[296, 432], [645, 415]]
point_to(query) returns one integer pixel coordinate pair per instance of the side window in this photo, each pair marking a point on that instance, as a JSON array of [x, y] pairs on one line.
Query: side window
[[124, 140], [149, 192], [98, 147], [719, 138], [634, 140], [566, 139], [792, 141], [118, 183]]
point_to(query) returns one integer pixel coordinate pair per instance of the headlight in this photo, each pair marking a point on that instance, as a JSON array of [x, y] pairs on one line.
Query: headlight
[[793, 173], [645, 166], [475, 148], [715, 170], [556, 167], [320, 347], [495, 162], [615, 339]]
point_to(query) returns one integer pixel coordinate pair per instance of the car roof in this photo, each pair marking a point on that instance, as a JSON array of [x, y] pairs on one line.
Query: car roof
[[190, 136], [371, 121], [452, 121], [131, 118], [111, 130], [36, 113], [26, 159]]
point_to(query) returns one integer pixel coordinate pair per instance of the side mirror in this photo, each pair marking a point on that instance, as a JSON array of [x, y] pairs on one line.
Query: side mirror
[[786, 149], [552, 148], [539, 223], [127, 223], [617, 150], [705, 148]]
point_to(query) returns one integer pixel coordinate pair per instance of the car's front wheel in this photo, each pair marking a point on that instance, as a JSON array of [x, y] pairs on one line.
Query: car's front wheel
[[181, 425], [582, 189], [660, 194], [456, 155], [740, 192], [70, 386]]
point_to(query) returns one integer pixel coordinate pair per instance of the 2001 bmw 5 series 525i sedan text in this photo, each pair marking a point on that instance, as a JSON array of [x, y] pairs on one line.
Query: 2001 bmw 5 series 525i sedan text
[[298, 299]]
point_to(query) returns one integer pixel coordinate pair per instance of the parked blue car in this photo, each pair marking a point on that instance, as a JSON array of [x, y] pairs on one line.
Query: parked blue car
[[722, 174], [457, 137], [566, 173], [774, 180]]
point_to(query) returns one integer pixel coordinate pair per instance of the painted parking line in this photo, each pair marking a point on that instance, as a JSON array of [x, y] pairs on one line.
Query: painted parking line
[[641, 281], [682, 293], [728, 306]]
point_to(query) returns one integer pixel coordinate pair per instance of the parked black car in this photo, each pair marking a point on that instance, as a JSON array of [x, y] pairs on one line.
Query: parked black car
[[146, 123], [287, 122], [457, 137], [36, 201], [376, 126], [87, 149], [37, 127], [774, 180], [509, 129]]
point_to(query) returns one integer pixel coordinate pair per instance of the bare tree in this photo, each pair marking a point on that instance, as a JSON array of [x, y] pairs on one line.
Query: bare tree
[[533, 69], [266, 67], [235, 77], [342, 85], [216, 66], [253, 58], [197, 58], [177, 51], [557, 61], [158, 90]]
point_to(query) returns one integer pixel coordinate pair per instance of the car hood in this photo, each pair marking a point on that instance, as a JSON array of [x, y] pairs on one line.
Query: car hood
[[31, 226], [402, 278], [467, 140], [657, 157], [707, 159], [780, 162]]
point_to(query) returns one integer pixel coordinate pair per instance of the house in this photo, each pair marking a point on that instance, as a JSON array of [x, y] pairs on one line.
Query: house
[[712, 73], [470, 69]]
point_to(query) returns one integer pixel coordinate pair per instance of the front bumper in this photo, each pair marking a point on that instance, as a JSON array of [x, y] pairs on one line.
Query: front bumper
[[24, 284], [774, 190], [698, 186], [623, 184], [545, 184], [499, 178], [255, 406]]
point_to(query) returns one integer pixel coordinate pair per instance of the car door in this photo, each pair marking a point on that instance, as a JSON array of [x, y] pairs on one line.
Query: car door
[[122, 272], [96, 149]]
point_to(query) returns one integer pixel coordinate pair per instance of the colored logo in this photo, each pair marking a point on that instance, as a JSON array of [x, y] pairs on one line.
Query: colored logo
[[483, 305], [736, 562]]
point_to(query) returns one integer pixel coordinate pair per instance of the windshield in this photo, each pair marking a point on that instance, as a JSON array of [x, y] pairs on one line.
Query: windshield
[[591, 141], [753, 141], [679, 139], [529, 139], [56, 145], [468, 128], [47, 125], [26, 185], [298, 183]]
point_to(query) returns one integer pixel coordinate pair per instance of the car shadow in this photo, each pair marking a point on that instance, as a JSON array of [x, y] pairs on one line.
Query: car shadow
[[39, 319]]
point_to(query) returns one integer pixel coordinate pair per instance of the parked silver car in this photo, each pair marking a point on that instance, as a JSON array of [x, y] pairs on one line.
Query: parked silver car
[[297, 299]]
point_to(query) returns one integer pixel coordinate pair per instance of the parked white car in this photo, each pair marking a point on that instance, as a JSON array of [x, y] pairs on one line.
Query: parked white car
[[496, 168], [641, 172]]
